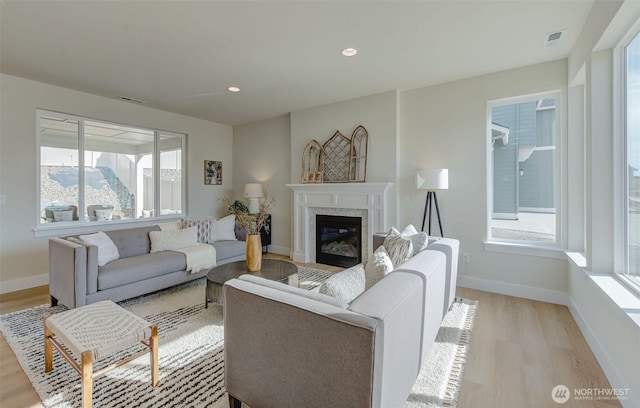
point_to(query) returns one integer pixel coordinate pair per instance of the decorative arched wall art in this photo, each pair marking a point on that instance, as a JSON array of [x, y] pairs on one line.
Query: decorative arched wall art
[[338, 160]]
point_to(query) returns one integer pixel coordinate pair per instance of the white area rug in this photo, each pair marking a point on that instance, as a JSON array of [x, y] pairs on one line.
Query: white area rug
[[191, 355]]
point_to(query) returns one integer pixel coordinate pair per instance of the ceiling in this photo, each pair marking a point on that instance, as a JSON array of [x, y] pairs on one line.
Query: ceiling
[[181, 56]]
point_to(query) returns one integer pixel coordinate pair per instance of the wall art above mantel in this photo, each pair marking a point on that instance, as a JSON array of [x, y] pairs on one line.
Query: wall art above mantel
[[339, 160]]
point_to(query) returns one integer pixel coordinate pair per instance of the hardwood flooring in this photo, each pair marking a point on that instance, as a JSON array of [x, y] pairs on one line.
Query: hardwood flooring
[[520, 349]]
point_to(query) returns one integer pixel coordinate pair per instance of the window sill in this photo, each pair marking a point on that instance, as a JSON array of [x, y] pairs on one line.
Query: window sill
[[524, 249], [73, 228]]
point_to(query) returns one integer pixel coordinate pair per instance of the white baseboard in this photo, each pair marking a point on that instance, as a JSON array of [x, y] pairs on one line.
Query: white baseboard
[[24, 283], [610, 370], [513, 289]]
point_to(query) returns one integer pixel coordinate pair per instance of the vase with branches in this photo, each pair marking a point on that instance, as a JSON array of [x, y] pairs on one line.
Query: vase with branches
[[252, 224]]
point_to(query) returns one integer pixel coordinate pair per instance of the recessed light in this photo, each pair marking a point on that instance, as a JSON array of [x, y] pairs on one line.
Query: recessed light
[[233, 89], [349, 52]]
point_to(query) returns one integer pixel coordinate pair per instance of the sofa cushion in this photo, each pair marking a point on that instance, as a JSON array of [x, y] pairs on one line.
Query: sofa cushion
[[107, 250], [173, 239], [378, 265], [400, 249], [229, 249], [132, 241], [138, 268], [346, 285]]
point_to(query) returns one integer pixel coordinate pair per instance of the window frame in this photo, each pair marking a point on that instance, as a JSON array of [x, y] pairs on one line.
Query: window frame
[[82, 225], [542, 249], [621, 191]]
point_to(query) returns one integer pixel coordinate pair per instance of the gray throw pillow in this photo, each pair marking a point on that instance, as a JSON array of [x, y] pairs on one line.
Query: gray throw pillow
[[346, 285]]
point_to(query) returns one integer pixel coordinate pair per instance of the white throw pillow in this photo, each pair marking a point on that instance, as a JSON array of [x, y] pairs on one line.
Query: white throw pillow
[[400, 249], [203, 227], [107, 250], [223, 229], [170, 226], [419, 240], [378, 265], [173, 239], [346, 285]]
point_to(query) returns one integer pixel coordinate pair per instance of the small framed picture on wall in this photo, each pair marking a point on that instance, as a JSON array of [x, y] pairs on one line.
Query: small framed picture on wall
[[212, 172]]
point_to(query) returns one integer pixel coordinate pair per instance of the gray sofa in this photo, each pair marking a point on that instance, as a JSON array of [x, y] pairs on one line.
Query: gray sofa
[[288, 347], [75, 279]]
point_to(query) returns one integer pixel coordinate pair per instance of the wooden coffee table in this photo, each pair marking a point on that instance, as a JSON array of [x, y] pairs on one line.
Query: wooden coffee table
[[272, 269]]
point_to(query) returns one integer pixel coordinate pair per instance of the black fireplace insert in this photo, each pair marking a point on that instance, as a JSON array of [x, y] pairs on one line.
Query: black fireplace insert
[[338, 240]]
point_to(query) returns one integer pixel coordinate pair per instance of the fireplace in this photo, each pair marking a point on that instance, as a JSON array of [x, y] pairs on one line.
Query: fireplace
[[338, 240]]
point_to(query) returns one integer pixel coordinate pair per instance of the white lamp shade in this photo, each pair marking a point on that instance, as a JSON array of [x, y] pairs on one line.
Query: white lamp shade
[[253, 190], [432, 179]]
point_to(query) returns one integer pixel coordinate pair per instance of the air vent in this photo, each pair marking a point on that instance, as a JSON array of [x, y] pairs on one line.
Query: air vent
[[126, 98], [552, 39]]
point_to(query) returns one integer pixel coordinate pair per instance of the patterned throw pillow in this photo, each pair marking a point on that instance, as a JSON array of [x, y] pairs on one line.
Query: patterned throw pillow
[[65, 215], [378, 265], [203, 228], [346, 285], [400, 249], [173, 239]]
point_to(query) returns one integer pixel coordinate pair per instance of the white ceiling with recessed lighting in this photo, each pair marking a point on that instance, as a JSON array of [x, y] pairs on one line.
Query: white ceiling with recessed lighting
[[182, 56]]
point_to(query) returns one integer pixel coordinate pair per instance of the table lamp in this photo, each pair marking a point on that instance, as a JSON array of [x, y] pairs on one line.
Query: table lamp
[[253, 192]]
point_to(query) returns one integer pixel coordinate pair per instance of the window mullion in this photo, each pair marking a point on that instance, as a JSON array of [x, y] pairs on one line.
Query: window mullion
[[81, 178], [156, 173]]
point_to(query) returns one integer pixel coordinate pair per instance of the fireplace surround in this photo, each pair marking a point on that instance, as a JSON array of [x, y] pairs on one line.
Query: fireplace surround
[[365, 200]]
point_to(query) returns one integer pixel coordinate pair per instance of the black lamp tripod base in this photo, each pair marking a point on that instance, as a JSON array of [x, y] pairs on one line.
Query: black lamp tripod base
[[428, 206]]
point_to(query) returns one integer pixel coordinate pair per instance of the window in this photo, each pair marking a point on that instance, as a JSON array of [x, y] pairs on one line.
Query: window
[[96, 171], [523, 175], [632, 162]]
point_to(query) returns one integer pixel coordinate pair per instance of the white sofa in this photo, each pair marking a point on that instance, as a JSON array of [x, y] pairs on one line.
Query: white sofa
[[288, 347]]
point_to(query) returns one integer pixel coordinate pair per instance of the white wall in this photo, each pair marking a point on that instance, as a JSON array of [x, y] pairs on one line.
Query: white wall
[[444, 126], [23, 258], [377, 113], [261, 153]]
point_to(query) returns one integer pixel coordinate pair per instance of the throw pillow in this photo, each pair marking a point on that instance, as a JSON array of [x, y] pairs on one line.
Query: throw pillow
[[419, 240], [378, 265], [170, 226], [66, 215], [346, 285], [223, 229], [107, 250], [173, 239], [203, 227], [400, 249]]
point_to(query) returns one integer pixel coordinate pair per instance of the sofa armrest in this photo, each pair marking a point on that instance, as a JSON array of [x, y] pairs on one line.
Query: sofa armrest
[[398, 301], [67, 272], [451, 248], [286, 350], [92, 264]]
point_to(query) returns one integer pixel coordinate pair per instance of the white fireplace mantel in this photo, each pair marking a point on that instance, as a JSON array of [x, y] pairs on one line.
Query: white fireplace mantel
[[309, 199]]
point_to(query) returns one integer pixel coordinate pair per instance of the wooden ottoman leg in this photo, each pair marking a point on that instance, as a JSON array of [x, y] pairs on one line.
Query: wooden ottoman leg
[[234, 402], [48, 349], [87, 379], [153, 344]]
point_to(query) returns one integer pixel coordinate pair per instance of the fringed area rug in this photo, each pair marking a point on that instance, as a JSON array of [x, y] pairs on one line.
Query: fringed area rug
[[191, 354]]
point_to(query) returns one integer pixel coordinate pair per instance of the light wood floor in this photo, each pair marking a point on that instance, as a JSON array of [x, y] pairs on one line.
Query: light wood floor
[[520, 349]]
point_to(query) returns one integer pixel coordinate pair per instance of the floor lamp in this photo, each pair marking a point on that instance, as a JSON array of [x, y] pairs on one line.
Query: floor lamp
[[432, 180]]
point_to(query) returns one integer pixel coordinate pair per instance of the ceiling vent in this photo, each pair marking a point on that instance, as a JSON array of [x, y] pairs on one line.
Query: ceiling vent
[[552, 39], [126, 98]]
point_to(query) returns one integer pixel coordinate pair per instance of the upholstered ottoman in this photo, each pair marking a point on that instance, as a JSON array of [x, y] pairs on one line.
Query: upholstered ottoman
[[94, 332]]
